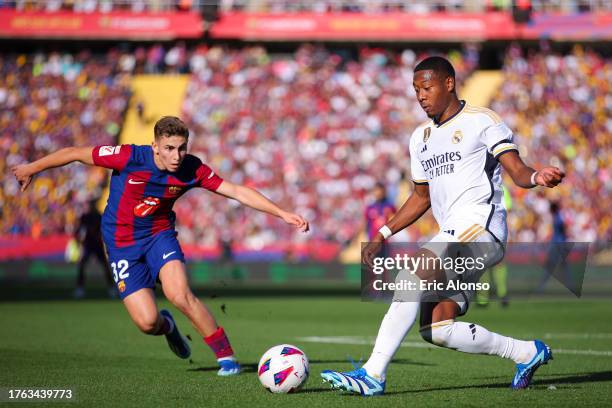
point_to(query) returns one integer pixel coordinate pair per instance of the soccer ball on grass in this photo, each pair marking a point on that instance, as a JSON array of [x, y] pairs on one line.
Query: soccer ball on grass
[[283, 369]]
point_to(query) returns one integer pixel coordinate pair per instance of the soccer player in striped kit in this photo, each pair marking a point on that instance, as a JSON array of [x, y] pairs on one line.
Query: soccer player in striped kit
[[139, 234]]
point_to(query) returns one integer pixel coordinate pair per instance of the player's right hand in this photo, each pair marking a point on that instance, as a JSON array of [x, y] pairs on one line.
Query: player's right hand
[[369, 252], [549, 177], [23, 174], [296, 220]]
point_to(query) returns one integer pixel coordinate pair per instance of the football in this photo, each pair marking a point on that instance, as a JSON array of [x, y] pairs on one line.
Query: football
[[283, 369]]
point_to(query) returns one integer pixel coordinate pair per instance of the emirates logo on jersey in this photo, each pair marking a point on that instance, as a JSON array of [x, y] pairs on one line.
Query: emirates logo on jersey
[[426, 134], [146, 206]]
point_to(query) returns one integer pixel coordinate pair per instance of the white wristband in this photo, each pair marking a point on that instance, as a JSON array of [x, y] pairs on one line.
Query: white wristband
[[385, 231], [533, 176]]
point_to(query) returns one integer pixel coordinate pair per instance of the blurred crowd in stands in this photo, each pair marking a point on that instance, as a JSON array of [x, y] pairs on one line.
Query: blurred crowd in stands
[[50, 101], [317, 6], [413, 6], [313, 130], [102, 6], [560, 108]]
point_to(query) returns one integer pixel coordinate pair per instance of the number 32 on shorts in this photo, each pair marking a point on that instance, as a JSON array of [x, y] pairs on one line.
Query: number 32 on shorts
[[120, 270]]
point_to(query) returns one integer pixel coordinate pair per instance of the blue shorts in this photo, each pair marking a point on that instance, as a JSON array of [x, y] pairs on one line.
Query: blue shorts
[[137, 266]]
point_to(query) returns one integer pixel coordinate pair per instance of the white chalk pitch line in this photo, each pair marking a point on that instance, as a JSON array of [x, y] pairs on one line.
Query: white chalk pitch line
[[369, 341]]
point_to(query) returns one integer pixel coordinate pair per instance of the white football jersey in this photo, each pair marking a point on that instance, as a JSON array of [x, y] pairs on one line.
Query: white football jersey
[[458, 159]]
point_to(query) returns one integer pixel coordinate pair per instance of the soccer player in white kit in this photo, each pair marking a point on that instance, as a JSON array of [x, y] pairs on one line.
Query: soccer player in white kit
[[456, 159]]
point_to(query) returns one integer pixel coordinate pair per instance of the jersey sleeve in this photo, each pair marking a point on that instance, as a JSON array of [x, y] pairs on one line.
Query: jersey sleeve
[[416, 169], [498, 138], [112, 157], [207, 178]]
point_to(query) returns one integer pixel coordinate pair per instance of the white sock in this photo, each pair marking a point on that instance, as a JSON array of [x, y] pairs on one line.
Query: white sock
[[475, 339], [395, 325]]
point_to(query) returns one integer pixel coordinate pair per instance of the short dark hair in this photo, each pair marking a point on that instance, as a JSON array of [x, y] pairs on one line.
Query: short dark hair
[[170, 126], [437, 64]]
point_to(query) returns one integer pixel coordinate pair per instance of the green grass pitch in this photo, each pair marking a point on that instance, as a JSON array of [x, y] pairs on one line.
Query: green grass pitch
[[93, 347]]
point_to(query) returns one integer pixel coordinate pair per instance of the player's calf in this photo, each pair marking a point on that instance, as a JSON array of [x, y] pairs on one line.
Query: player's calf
[[438, 333], [184, 301]]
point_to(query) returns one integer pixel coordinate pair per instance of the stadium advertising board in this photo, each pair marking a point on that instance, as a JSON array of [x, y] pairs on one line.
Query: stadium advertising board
[[164, 26], [405, 26], [351, 26]]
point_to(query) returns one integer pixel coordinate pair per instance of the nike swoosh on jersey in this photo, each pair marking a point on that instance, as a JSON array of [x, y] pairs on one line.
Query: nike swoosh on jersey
[[132, 181], [168, 254]]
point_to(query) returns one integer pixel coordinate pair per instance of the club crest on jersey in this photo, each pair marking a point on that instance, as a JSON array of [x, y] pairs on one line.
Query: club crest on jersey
[[426, 134], [174, 189], [146, 206], [121, 286], [457, 136]]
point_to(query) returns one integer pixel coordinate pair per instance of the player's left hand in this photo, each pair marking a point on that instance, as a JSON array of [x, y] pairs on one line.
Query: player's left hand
[[549, 177], [296, 220]]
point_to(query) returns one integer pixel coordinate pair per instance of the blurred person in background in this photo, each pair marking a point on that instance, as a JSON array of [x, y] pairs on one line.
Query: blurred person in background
[[89, 235], [498, 275], [378, 213], [558, 250]]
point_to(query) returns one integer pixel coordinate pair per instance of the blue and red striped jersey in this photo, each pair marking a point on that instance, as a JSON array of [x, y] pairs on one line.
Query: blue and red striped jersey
[[141, 195], [376, 215]]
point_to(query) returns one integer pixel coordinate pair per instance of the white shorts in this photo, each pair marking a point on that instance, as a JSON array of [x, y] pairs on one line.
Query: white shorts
[[473, 241]]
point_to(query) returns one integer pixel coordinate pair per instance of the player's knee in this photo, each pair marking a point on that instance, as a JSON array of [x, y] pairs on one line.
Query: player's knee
[[147, 324], [438, 333]]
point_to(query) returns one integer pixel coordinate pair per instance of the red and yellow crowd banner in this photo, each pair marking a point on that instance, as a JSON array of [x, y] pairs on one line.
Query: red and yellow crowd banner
[[115, 25], [400, 26]]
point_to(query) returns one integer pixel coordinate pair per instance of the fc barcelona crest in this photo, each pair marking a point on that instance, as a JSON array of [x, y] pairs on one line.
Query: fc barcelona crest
[[457, 136], [426, 134], [174, 189]]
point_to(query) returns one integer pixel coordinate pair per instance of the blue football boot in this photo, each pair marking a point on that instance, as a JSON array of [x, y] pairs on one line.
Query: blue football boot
[[228, 367], [524, 372], [357, 381]]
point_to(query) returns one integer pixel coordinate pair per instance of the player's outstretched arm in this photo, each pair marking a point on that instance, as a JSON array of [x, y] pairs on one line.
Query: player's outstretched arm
[[258, 201], [527, 177], [24, 172], [414, 207]]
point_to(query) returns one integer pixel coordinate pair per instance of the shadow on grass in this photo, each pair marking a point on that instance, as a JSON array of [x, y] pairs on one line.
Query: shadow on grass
[[252, 367], [316, 390], [246, 368], [598, 376]]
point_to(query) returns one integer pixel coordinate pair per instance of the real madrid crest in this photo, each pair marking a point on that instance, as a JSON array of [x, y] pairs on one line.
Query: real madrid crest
[[426, 134], [457, 136]]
